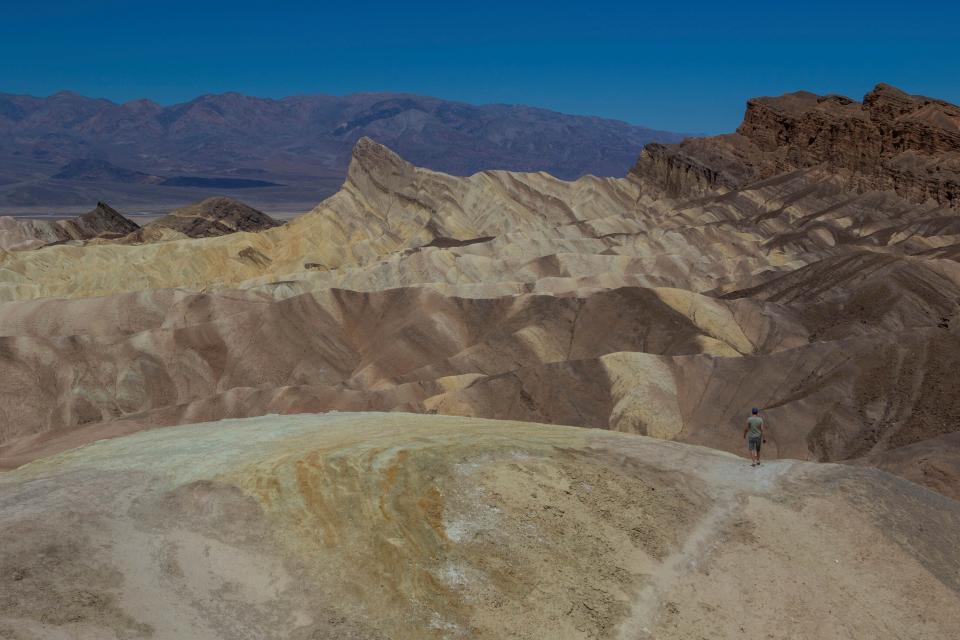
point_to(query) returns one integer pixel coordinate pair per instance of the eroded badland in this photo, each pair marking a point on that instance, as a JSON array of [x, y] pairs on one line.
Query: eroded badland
[[807, 265]]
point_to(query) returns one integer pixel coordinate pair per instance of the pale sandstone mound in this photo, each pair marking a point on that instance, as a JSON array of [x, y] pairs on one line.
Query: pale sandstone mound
[[17, 234], [102, 222], [403, 526]]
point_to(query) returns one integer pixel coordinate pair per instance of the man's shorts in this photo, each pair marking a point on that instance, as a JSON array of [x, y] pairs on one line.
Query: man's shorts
[[753, 444]]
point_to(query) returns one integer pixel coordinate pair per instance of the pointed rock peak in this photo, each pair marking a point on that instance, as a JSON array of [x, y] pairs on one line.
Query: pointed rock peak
[[103, 219], [104, 213], [368, 148], [103, 208], [887, 102], [215, 216], [374, 159], [883, 88]]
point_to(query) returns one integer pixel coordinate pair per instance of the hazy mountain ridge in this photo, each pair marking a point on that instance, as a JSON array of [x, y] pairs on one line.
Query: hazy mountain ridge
[[301, 141]]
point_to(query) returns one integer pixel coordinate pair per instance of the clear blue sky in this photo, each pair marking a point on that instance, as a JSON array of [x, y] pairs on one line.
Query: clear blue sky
[[682, 65]]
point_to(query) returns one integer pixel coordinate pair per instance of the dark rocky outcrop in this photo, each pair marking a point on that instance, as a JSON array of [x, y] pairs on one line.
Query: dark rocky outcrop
[[892, 141], [102, 222], [211, 217]]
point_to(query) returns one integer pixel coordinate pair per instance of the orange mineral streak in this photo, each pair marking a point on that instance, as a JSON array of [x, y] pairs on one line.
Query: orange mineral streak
[[310, 483], [431, 505], [389, 480]]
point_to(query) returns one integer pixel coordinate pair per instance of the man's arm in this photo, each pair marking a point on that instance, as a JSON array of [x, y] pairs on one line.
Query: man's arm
[[745, 429]]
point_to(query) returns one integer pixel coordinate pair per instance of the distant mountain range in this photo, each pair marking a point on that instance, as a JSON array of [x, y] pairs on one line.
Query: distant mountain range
[[67, 149]]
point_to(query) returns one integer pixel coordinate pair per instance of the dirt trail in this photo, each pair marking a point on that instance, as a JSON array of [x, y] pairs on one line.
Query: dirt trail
[[729, 486]]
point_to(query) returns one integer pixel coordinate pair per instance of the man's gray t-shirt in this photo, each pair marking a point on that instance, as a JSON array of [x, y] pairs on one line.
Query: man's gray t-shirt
[[754, 423]]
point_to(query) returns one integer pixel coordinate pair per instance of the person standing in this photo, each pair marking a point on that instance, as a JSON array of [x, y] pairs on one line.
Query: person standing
[[754, 436]]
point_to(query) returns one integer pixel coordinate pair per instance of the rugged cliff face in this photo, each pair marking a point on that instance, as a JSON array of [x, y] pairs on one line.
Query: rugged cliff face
[[697, 167], [892, 141]]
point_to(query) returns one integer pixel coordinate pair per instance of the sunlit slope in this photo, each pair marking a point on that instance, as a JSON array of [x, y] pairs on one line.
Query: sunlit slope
[[409, 526]]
